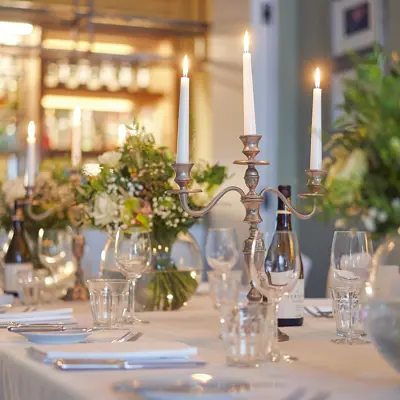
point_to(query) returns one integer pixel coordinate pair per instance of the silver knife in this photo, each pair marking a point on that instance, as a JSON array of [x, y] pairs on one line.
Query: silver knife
[[51, 328], [100, 364], [7, 324]]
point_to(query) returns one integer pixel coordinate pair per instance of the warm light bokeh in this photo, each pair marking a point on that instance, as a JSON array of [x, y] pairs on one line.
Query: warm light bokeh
[[31, 130], [317, 78], [185, 66], [77, 116], [246, 42]]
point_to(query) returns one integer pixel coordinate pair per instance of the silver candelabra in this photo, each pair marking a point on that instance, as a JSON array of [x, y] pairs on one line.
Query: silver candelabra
[[251, 200]]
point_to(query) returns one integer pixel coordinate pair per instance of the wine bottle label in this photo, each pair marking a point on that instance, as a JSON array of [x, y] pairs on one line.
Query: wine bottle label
[[283, 212], [11, 271], [292, 304]]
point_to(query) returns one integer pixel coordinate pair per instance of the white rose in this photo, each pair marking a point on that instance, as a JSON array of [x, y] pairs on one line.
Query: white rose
[[14, 190], [369, 223], [104, 209], [396, 202], [110, 158], [355, 167]]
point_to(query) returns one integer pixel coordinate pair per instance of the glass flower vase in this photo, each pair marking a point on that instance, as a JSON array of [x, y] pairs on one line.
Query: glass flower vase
[[174, 277]]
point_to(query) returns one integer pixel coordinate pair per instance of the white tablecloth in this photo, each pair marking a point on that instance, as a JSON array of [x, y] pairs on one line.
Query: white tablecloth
[[348, 372]]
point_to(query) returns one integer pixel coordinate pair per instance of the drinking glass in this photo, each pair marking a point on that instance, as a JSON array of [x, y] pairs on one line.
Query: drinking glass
[[224, 289], [245, 333], [108, 300], [346, 310], [222, 249], [31, 285], [54, 247], [351, 256], [133, 256], [274, 274]]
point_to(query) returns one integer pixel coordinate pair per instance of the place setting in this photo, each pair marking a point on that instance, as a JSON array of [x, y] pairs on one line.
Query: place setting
[[134, 264]]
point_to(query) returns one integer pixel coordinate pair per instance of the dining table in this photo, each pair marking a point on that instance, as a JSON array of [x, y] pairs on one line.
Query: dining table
[[324, 370]]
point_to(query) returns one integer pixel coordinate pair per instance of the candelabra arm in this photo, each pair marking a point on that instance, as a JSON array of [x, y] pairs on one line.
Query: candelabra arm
[[289, 205], [41, 216], [184, 197]]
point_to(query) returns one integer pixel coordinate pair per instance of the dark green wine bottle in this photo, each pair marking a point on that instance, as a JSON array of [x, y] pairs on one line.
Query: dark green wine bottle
[[18, 256]]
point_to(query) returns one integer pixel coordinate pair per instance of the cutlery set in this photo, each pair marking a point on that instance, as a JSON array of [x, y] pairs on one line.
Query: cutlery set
[[300, 393], [318, 313], [97, 364]]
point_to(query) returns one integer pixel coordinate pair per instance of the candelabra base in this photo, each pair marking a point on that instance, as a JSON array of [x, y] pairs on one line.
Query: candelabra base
[[282, 337], [78, 293]]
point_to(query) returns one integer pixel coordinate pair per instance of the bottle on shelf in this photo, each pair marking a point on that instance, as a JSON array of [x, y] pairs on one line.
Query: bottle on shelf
[[291, 307], [18, 257]]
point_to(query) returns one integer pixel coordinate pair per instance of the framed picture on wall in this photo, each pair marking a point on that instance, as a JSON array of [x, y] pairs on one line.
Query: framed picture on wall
[[356, 25]]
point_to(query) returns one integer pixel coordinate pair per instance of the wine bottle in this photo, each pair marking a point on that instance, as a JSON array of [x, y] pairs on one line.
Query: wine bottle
[[18, 256], [291, 308]]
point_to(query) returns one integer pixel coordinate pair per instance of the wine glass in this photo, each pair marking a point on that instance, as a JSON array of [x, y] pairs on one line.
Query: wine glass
[[4, 241], [351, 256], [133, 256], [222, 249], [54, 247], [275, 274]]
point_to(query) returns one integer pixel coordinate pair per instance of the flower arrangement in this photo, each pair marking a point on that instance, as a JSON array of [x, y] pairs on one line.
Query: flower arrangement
[[53, 189], [363, 163], [130, 191]]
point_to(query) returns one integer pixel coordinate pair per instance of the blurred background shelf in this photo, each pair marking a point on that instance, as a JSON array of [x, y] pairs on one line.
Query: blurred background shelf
[[142, 96]]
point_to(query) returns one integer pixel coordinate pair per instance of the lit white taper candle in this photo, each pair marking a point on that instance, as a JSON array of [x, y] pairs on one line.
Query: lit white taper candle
[[76, 151], [31, 155], [248, 94], [316, 130], [121, 135], [183, 122]]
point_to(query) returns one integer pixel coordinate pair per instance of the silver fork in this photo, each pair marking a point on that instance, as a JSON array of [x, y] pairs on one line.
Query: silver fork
[[322, 395], [128, 337], [29, 309], [297, 394]]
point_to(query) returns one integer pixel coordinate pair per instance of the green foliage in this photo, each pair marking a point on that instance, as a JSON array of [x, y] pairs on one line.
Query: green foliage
[[363, 163]]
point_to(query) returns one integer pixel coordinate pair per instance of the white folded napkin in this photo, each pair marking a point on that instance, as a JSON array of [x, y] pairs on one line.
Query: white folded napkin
[[37, 316], [127, 351], [6, 299]]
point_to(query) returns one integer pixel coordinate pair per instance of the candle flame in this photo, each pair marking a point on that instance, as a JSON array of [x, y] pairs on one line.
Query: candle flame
[[77, 116], [317, 78], [185, 66], [31, 129], [121, 134], [246, 42]]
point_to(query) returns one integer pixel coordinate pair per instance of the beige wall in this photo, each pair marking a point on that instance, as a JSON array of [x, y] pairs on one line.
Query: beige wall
[[230, 18]]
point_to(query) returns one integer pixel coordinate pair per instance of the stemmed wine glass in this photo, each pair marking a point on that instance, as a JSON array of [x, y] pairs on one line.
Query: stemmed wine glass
[[54, 247], [133, 256], [351, 256], [222, 249], [274, 275]]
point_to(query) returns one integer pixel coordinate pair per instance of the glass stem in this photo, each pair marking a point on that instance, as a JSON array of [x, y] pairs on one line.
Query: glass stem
[[276, 328], [350, 331], [131, 298]]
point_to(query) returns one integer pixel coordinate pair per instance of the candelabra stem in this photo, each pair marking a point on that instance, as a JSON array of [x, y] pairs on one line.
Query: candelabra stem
[[79, 291]]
